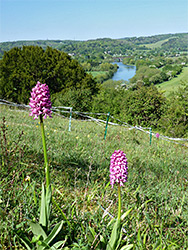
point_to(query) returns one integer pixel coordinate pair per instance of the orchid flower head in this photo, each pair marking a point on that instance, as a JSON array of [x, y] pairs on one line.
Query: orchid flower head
[[40, 101], [118, 168]]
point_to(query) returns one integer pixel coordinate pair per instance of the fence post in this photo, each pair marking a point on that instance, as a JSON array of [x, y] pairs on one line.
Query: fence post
[[70, 119], [107, 119], [150, 137]]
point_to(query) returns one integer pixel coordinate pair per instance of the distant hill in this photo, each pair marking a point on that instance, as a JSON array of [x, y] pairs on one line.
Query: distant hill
[[158, 44], [107, 45], [156, 38]]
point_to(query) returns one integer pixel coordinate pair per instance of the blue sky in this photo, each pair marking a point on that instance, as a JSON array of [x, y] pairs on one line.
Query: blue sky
[[90, 19]]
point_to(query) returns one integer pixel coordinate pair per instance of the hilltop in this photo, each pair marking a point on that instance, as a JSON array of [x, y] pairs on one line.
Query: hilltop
[[107, 46]]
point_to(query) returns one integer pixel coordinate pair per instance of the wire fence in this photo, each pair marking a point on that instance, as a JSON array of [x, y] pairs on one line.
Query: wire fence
[[59, 111]]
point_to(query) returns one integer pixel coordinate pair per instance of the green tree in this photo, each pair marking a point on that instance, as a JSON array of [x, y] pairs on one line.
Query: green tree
[[143, 106], [108, 100], [174, 121], [21, 68], [79, 100], [147, 75]]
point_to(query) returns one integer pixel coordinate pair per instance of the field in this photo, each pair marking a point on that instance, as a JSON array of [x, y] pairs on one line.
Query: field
[[174, 84], [156, 45], [156, 190], [96, 73]]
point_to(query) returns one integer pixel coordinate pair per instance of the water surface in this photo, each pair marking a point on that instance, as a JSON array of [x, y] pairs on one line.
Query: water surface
[[124, 72]]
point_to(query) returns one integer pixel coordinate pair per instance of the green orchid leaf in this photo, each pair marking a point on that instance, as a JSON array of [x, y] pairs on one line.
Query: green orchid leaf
[[48, 203], [127, 247], [58, 244], [126, 214], [37, 230], [115, 238], [42, 219], [54, 232]]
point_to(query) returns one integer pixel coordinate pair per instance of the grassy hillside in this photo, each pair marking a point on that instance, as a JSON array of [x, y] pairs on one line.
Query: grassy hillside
[[156, 45], [173, 85], [79, 161]]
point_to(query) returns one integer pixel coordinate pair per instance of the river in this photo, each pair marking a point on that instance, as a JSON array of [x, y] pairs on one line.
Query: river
[[124, 72]]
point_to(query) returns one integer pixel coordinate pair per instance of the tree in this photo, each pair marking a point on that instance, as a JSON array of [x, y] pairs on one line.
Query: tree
[[143, 106], [79, 100], [21, 68], [174, 122], [147, 75]]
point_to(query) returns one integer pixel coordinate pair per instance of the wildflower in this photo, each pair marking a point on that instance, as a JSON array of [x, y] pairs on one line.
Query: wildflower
[[40, 101], [118, 168], [157, 135], [27, 178]]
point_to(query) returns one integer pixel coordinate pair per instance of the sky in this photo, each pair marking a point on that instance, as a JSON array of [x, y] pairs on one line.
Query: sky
[[90, 19]]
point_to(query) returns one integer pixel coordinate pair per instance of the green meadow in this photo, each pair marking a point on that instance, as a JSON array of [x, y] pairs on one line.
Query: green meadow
[[173, 84], [96, 73], [157, 44], [156, 192]]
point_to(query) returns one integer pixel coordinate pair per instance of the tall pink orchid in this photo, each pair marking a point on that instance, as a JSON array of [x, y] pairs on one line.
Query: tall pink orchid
[[118, 168], [118, 174], [40, 101]]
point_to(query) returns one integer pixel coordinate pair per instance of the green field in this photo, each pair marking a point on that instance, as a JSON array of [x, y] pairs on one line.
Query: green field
[[156, 190], [96, 73], [173, 85], [157, 44]]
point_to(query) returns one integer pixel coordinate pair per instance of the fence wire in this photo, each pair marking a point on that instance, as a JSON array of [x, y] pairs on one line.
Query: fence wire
[[86, 115]]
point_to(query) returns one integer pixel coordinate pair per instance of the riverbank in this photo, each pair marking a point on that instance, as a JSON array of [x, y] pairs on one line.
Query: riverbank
[[124, 72]]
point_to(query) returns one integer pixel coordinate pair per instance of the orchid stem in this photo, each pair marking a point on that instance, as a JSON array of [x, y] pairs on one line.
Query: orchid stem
[[119, 203], [47, 170]]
